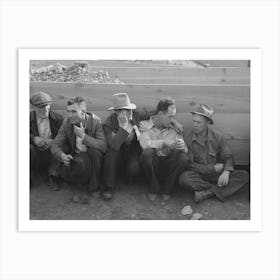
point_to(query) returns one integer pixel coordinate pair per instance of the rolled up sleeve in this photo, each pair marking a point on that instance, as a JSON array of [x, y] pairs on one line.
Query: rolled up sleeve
[[146, 142], [226, 155]]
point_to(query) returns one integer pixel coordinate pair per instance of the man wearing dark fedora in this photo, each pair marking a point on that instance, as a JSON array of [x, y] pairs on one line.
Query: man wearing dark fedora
[[212, 167], [80, 144], [122, 135], [44, 126]]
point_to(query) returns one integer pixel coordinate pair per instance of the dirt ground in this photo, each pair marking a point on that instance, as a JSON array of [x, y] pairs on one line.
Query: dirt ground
[[130, 202]]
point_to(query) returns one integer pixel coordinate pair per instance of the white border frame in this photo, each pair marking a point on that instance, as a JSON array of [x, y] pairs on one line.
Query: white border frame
[[25, 224]]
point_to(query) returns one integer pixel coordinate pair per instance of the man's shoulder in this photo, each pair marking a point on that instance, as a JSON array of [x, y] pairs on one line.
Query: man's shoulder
[[56, 116], [215, 133], [32, 115], [94, 117]]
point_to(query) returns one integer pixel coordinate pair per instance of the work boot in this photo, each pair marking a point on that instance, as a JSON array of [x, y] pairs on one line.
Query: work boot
[[166, 197], [201, 195], [152, 196], [53, 183], [107, 194]]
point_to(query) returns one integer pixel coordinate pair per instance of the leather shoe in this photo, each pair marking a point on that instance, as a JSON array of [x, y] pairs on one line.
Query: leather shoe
[[53, 183], [166, 197], [152, 196], [107, 194], [201, 195]]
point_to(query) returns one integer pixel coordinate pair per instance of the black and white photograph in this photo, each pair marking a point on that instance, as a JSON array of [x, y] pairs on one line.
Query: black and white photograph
[[139, 139]]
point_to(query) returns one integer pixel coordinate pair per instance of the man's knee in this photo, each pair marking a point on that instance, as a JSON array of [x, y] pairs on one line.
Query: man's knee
[[96, 157], [183, 160], [81, 165], [241, 175]]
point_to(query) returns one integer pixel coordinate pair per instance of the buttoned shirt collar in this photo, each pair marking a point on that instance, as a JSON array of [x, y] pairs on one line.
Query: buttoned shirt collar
[[151, 124], [202, 140]]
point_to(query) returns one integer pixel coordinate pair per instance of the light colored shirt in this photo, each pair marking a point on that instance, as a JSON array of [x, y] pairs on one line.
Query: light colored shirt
[[154, 138], [44, 127]]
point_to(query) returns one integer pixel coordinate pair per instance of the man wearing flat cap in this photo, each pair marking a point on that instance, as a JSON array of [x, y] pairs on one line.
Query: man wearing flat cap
[[80, 144], [211, 170], [44, 126], [122, 134]]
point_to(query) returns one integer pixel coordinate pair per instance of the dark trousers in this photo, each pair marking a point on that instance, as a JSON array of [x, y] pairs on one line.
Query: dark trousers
[[84, 168], [124, 162], [163, 171], [194, 181], [43, 160]]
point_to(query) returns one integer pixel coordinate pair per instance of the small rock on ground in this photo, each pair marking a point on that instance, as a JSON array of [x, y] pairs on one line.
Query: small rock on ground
[[187, 210], [196, 216]]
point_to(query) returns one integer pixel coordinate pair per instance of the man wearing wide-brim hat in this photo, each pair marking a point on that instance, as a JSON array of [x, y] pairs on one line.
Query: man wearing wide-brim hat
[[44, 126], [212, 167], [121, 134]]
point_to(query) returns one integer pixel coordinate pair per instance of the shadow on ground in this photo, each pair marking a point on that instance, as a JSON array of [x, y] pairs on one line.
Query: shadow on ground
[[130, 202]]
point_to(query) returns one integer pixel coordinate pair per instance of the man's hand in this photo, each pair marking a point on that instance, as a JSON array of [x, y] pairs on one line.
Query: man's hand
[[66, 159], [219, 167], [79, 131], [39, 141], [180, 144], [48, 142], [123, 120], [223, 179], [168, 143]]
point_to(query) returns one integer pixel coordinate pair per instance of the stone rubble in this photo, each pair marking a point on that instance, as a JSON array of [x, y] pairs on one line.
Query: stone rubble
[[77, 73]]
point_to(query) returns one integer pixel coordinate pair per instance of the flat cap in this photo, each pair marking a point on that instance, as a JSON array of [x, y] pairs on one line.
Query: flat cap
[[40, 99]]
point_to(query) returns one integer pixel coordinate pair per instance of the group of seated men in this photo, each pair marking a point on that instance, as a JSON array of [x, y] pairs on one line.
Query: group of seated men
[[82, 150]]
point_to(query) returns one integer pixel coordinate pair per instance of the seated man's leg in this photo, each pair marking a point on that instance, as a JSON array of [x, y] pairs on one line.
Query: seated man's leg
[[172, 167], [79, 171], [146, 163], [132, 158], [39, 161], [111, 160], [237, 180], [54, 173], [150, 163], [192, 180], [203, 189], [96, 157], [33, 162]]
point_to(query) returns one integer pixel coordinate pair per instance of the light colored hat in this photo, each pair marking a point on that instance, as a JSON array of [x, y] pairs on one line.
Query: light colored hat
[[206, 111], [40, 99], [121, 101]]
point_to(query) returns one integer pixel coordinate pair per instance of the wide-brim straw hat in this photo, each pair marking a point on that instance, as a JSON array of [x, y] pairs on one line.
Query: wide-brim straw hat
[[206, 111], [121, 101]]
